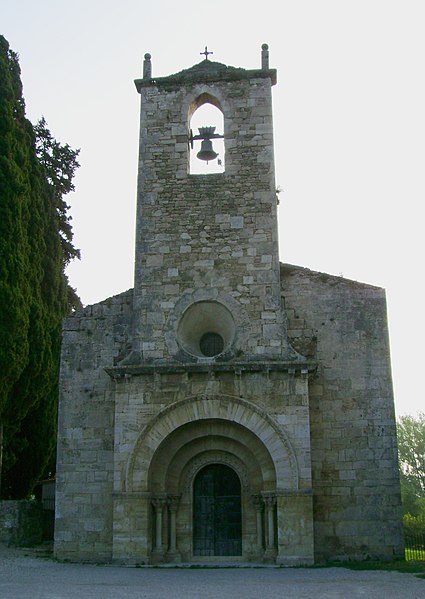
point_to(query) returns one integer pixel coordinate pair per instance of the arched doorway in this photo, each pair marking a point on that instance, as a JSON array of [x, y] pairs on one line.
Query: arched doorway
[[177, 445], [217, 521]]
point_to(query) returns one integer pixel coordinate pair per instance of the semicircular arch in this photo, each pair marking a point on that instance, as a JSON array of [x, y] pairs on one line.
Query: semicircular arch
[[221, 407], [201, 437]]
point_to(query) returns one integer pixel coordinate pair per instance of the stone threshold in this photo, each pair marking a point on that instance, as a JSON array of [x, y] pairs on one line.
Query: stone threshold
[[211, 566], [203, 565]]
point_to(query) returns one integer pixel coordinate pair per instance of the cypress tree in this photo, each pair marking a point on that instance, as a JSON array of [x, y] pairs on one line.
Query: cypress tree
[[15, 186], [32, 446], [36, 172]]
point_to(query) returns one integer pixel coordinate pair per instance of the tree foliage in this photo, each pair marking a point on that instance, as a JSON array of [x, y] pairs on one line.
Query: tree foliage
[[59, 163], [411, 450], [36, 172], [15, 187]]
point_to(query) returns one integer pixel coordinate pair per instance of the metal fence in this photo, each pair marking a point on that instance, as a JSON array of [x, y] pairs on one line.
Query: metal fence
[[48, 494], [414, 537]]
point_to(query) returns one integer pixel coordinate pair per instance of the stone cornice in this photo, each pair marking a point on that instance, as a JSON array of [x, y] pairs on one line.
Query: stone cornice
[[207, 71], [118, 372]]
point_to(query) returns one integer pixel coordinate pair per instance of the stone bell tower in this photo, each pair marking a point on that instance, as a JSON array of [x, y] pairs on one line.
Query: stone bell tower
[[207, 264]]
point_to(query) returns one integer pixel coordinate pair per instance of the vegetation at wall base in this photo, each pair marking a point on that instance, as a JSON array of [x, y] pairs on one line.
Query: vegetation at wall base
[[411, 452], [415, 555], [36, 173]]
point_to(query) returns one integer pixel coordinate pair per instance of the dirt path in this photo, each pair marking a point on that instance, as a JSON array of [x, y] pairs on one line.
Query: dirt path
[[23, 575]]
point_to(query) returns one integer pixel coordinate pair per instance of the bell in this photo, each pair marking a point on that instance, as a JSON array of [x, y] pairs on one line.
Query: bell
[[206, 152]]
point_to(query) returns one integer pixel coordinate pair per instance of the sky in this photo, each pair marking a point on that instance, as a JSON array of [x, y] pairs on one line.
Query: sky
[[349, 131]]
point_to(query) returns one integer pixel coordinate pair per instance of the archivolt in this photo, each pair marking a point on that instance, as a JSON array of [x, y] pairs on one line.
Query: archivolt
[[203, 407], [215, 457]]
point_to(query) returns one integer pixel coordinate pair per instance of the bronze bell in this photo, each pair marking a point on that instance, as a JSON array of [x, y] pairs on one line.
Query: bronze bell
[[206, 134], [206, 152]]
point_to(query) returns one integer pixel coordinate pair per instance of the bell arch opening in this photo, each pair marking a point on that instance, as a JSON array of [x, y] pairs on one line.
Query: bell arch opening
[[206, 130]]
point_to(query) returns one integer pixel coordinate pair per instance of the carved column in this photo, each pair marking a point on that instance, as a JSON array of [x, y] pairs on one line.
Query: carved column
[[173, 503], [258, 503], [158, 502], [270, 502]]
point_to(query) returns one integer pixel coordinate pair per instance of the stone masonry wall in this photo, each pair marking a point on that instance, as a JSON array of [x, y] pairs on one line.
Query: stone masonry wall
[[343, 325], [93, 339], [283, 396], [21, 523]]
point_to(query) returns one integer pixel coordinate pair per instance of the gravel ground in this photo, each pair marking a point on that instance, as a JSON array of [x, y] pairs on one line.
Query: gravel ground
[[24, 575]]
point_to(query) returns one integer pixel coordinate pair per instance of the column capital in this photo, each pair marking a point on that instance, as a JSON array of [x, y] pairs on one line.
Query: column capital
[[158, 501], [173, 502], [258, 502], [269, 499]]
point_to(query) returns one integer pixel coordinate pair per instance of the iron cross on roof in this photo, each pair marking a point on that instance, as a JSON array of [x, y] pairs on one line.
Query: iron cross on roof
[[206, 53]]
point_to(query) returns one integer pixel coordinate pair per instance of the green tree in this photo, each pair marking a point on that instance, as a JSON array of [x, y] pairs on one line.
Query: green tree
[[32, 445], [36, 173], [411, 451], [15, 188], [59, 163]]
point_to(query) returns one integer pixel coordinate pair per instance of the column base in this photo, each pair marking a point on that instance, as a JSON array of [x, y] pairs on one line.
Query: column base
[[157, 556], [256, 556], [270, 555], [173, 557]]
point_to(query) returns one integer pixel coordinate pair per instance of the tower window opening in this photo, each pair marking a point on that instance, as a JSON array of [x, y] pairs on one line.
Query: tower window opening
[[211, 344], [207, 117]]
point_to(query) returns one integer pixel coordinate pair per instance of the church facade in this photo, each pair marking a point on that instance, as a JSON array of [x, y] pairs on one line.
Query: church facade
[[229, 407]]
